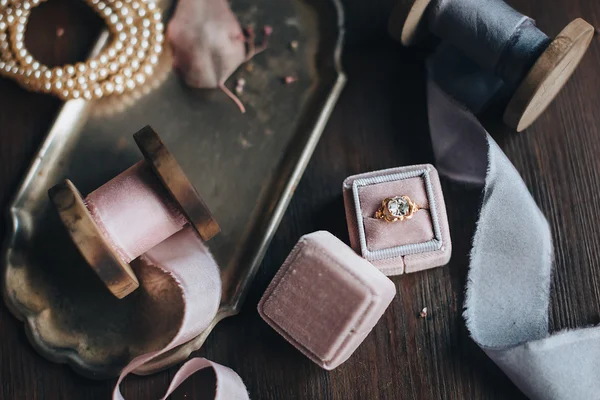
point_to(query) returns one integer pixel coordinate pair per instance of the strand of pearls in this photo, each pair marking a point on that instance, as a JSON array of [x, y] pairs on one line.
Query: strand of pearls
[[126, 62]]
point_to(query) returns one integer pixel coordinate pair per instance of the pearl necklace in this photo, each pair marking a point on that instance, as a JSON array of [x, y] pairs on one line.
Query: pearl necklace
[[127, 62]]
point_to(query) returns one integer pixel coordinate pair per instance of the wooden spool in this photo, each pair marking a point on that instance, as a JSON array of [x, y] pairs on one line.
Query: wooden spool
[[406, 23], [543, 81], [97, 250]]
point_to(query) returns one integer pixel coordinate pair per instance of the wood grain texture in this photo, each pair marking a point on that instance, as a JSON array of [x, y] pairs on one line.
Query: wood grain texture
[[549, 74], [173, 178], [99, 253], [379, 122]]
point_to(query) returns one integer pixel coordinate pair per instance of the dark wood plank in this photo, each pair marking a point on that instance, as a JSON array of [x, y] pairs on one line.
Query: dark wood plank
[[380, 122]]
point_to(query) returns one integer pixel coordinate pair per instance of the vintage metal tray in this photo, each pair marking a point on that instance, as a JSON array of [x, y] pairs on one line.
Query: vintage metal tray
[[246, 167]]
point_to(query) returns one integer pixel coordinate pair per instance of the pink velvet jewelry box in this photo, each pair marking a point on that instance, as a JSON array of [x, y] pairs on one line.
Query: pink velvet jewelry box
[[411, 245], [325, 299]]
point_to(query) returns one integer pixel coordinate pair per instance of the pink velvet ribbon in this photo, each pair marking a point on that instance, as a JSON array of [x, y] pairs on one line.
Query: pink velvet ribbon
[[140, 219], [134, 211], [186, 259]]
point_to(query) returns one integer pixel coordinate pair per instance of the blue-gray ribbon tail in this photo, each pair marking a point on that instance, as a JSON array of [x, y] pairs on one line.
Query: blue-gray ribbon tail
[[508, 285]]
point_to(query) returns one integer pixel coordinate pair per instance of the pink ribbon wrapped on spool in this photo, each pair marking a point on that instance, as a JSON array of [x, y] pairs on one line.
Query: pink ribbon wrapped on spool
[[152, 213], [134, 211]]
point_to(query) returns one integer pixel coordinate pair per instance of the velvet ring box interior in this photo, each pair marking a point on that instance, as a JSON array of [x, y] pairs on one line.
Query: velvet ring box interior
[[414, 244], [325, 299]]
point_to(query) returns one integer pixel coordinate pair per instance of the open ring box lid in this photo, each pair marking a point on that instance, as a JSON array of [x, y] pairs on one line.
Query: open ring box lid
[[411, 245], [325, 299]]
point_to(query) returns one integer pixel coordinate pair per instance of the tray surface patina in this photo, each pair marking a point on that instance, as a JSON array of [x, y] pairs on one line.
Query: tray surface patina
[[246, 167]]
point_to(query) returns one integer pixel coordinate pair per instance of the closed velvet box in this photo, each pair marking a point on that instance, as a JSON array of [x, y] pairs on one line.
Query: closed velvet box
[[325, 299], [410, 245]]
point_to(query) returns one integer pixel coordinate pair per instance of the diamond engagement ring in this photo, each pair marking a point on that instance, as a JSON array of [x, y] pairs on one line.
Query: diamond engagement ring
[[396, 208]]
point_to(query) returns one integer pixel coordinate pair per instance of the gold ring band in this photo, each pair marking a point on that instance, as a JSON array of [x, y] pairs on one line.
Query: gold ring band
[[397, 208]]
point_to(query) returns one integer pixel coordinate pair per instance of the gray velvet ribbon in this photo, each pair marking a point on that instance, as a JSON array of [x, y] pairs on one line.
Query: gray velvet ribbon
[[508, 285], [487, 48]]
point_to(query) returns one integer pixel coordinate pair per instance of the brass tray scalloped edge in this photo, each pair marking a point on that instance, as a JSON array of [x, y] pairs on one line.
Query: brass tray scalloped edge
[[331, 83]]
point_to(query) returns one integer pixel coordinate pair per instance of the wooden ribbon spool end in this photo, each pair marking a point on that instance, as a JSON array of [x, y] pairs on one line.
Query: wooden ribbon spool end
[[406, 23], [89, 238], [548, 75], [542, 82]]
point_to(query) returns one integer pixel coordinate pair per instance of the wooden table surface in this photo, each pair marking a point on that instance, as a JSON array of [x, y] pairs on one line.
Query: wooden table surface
[[380, 122]]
